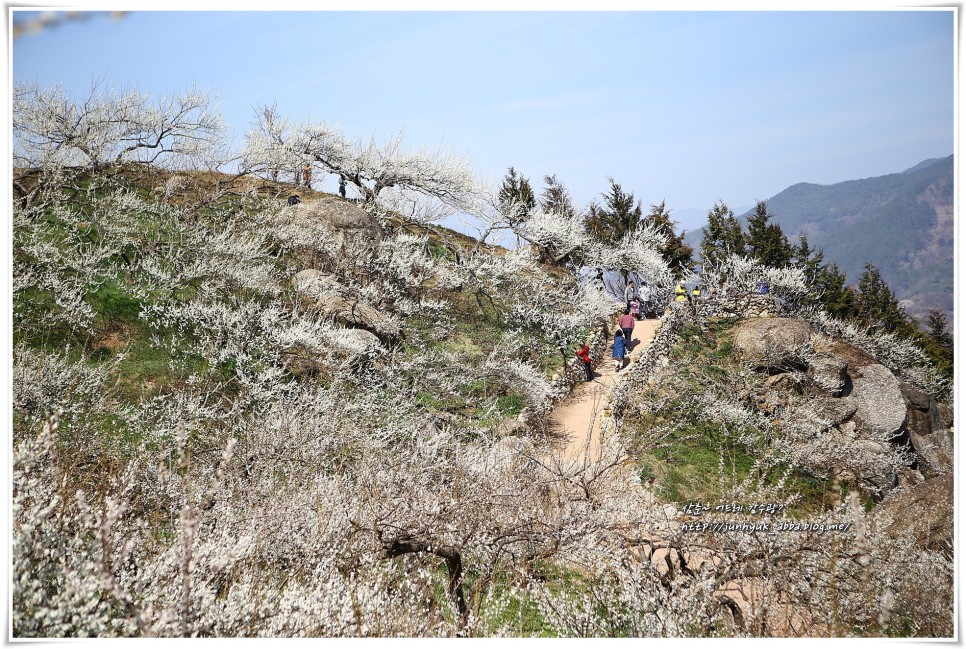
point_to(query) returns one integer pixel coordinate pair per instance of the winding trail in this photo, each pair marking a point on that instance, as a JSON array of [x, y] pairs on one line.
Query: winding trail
[[577, 418]]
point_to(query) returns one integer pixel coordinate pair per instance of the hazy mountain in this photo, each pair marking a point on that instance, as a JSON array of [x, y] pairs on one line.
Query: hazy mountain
[[692, 219], [902, 223]]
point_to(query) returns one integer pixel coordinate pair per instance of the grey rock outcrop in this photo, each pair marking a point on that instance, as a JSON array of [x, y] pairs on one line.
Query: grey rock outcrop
[[772, 343], [875, 394], [830, 372], [312, 285], [335, 301], [924, 511], [831, 412], [853, 356], [347, 221], [928, 431], [362, 341], [356, 313]]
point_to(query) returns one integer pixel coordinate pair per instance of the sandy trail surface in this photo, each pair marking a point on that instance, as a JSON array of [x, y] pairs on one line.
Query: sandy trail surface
[[577, 418]]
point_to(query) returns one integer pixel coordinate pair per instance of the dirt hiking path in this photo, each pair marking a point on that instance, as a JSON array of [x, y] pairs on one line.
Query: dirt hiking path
[[578, 421], [577, 418]]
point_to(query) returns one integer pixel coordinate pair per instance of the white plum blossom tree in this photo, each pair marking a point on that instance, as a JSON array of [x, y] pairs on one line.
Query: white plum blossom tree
[[109, 127]]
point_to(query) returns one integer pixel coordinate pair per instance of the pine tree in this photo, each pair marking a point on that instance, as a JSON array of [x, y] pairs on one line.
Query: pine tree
[[676, 253], [938, 342], [767, 244], [516, 195], [876, 305], [555, 199], [618, 216], [722, 235], [835, 296]]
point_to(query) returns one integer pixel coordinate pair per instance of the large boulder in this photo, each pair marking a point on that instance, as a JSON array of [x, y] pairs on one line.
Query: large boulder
[[312, 285], [880, 410], [926, 416], [829, 372], [772, 343], [853, 356], [923, 511], [946, 412], [335, 301], [360, 343], [347, 221], [928, 431], [935, 453], [831, 412], [356, 313]]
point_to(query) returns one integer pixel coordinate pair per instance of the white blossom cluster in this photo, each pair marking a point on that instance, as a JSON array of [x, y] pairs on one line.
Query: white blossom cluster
[[109, 127], [737, 275]]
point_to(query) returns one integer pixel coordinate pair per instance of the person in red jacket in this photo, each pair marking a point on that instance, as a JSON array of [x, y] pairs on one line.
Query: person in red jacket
[[584, 354]]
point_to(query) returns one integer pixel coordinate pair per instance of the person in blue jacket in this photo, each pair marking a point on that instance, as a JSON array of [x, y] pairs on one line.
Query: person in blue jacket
[[619, 348]]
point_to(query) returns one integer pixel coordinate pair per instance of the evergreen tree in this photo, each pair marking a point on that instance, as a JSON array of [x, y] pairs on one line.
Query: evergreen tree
[[619, 215], [555, 199], [722, 235], [767, 244], [835, 296], [516, 192], [805, 257], [876, 305], [676, 253], [938, 342]]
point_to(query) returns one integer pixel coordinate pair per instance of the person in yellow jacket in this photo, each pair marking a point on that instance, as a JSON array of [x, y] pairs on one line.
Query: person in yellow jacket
[[695, 292], [680, 294]]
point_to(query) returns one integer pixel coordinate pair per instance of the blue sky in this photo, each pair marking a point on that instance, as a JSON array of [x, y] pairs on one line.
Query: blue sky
[[687, 107]]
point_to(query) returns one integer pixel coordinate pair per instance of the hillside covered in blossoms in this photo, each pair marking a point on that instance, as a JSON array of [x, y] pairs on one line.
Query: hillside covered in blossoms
[[246, 408]]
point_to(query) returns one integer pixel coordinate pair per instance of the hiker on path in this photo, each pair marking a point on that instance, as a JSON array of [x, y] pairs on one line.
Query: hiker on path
[[307, 175], [342, 187], [680, 294], [619, 348], [630, 293], [584, 354], [645, 294], [626, 323], [636, 309]]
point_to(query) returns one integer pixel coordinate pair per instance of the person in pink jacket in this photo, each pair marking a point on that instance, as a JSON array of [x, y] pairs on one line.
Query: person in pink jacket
[[626, 323]]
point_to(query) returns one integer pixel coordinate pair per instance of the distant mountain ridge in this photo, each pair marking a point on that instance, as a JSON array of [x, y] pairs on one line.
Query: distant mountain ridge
[[922, 165], [902, 223]]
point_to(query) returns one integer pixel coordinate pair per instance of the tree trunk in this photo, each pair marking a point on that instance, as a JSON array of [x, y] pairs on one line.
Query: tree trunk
[[406, 544]]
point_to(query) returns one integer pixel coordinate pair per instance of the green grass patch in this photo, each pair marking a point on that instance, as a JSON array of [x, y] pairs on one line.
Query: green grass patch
[[690, 467]]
